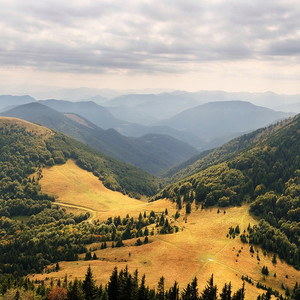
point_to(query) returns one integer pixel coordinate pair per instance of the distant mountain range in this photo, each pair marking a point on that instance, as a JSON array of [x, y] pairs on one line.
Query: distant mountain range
[[152, 153], [147, 109], [180, 115], [223, 120], [9, 101], [95, 113]]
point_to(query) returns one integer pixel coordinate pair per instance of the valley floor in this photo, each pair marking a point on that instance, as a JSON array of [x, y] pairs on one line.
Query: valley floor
[[200, 248]]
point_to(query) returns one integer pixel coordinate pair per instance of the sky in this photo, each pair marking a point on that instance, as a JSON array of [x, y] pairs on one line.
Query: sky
[[232, 45]]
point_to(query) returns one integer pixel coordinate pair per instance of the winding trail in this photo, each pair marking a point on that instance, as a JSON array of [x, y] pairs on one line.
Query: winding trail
[[91, 211]]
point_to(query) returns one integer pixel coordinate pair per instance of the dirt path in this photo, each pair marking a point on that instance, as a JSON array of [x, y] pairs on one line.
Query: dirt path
[[230, 241], [91, 211]]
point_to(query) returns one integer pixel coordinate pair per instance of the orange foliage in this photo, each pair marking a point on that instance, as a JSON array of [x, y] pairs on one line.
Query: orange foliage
[[57, 293]]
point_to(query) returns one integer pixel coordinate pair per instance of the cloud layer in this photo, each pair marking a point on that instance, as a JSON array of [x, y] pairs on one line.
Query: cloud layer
[[146, 36]]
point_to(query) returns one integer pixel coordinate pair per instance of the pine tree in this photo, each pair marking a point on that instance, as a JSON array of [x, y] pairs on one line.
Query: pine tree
[[161, 289], [194, 289], [88, 285], [188, 208], [113, 285], [146, 231], [210, 291], [240, 294], [88, 256], [186, 293], [57, 267], [75, 291], [173, 293], [142, 291], [226, 292]]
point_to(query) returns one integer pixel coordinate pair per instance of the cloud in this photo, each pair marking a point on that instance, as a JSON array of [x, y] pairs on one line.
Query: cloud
[[145, 36]]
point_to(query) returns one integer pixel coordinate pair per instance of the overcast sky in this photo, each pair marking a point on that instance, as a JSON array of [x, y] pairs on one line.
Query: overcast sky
[[232, 45]]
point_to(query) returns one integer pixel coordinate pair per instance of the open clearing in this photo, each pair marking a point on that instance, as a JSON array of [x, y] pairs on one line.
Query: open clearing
[[199, 249]]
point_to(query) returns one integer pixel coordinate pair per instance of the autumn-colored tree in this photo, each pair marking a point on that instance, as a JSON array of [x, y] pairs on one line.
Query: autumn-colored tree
[[57, 293]]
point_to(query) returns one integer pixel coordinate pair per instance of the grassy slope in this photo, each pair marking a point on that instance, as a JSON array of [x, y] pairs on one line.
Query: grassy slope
[[200, 249]]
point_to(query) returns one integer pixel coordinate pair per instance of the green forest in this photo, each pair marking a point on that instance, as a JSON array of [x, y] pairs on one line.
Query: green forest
[[266, 175]]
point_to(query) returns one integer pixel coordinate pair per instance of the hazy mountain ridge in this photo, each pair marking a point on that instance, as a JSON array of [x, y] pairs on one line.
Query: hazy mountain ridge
[[230, 149], [95, 113], [9, 101], [154, 155], [220, 119]]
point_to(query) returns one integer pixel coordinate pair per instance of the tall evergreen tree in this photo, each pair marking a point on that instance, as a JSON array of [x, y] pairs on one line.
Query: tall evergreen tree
[[187, 292], [75, 291], [173, 293], [240, 294], [88, 285], [113, 285], [161, 289], [210, 291], [142, 291], [226, 292]]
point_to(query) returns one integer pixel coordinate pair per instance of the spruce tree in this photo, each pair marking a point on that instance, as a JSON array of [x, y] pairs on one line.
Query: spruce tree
[[226, 292], [188, 208], [113, 285], [194, 289], [75, 291], [240, 294], [210, 291], [187, 292], [161, 289], [173, 293], [88, 285]]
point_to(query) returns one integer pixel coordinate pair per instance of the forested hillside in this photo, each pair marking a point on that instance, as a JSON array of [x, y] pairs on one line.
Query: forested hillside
[[30, 245], [150, 153], [229, 150], [267, 176]]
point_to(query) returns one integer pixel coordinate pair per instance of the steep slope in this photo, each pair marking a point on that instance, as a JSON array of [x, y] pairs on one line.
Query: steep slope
[[51, 147], [9, 101], [213, 156], [222, 119], [152, 155], [267, 175]]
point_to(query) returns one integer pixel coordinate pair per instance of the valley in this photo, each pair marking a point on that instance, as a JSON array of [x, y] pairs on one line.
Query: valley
[[200, 248]]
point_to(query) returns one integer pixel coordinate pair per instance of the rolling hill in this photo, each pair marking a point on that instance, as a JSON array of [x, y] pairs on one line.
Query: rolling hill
[[152, 153], [223, 119]]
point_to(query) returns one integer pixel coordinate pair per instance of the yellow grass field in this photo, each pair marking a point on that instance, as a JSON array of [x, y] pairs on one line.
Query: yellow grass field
[[199, 249]]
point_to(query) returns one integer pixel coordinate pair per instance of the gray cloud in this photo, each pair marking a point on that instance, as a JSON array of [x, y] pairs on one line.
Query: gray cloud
[[145, 36]]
